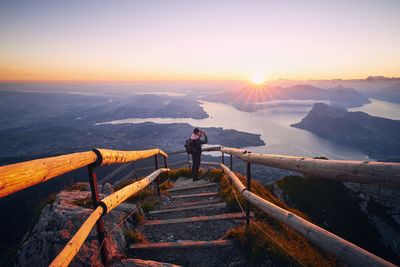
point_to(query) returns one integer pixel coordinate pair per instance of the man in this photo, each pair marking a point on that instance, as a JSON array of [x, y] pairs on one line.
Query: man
[[196, 150]]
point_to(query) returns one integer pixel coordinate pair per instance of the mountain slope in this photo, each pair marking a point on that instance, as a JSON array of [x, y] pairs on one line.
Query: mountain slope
[[378, 137]]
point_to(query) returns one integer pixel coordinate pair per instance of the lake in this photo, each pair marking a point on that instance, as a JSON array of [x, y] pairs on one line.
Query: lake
[[273, 124]]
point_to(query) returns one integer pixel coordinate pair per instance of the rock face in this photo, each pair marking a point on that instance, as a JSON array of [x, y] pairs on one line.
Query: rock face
[[59, 221], [378, 137], [382, 205]]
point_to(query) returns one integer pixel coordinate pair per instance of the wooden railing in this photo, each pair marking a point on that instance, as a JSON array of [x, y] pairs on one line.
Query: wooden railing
[[366, 172], [349, 252], [105, 206], [16, 177]]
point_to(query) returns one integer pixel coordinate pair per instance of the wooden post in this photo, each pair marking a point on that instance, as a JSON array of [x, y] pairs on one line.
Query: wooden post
[[231, 162], [222, 158], [165, 163], [248, 186], [158, 178], [100, 224]]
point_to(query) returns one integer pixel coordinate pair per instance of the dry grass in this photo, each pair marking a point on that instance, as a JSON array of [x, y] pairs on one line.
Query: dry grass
[[280, 243], [275, 239], [80, 186], [84, 202], [134, 236]]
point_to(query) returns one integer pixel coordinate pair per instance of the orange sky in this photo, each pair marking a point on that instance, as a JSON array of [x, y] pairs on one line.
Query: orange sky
[[183, 40]]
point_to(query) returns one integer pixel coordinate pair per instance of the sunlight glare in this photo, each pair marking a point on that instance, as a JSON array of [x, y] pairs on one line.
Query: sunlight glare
[[257, 79]]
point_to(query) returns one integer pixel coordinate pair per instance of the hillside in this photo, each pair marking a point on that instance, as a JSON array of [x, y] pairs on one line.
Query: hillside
[[253, 98], [378, 137], [365, 215], [390, 94]]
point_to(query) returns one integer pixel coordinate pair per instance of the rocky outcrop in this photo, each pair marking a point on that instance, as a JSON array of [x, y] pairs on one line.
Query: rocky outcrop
[[378, 137], [382, 205], [59, 221]]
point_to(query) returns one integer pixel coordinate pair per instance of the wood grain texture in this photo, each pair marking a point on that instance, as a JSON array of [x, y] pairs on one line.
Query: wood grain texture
[[352, 254], [377, 173], [120, 156], [71, 249], [16, 177]]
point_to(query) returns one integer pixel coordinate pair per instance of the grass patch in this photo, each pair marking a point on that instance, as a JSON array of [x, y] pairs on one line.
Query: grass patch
[[279, 243], [275, 237], [78, 187], [134, 236], [334, 207], [86, 202], [149, 204]]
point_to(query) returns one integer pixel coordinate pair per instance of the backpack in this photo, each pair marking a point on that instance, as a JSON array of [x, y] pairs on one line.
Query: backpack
[[189, 146]]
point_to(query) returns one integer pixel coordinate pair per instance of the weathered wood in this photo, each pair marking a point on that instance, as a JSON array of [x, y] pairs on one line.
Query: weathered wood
[[378, 173], [119, 156], [225, 216], [73, 246], [16, 177], [182, 244], [342, 248], [105, 206], [198, 207], [116, 198], [195, 195], [192, 203]]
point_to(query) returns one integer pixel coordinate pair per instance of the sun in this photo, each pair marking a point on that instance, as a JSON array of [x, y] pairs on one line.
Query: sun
[[257, 79]]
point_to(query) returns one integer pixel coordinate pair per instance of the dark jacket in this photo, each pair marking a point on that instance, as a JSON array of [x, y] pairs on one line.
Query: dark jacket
[[197, 145]]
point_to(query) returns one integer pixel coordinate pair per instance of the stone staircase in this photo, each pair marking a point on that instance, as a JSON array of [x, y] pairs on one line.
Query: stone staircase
[[188, 226]]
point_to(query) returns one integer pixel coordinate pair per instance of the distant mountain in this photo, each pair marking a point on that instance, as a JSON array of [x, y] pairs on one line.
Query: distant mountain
[[378, 137], [390, 94], [252, 98]]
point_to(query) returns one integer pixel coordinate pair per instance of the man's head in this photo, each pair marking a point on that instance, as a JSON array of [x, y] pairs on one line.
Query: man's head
[[196, 131]]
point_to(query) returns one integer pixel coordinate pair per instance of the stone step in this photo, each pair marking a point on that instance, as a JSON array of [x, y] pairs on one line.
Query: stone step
[[181, 244], [201, 254], [225, 216], [188, 211], [206, 206], [191, 187]]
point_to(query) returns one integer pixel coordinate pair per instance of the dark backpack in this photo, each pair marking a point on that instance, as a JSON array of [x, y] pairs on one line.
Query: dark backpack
[[189, 146]]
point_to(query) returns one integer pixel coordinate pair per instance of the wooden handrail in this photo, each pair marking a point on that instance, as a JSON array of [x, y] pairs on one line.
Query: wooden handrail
[[113, 200], [71, 249], [378, 173], [342, 248], [16, 177], [106, 205], [108, 156]]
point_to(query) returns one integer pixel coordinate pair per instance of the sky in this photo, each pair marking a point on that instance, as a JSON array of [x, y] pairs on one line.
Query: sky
[[198, 40]]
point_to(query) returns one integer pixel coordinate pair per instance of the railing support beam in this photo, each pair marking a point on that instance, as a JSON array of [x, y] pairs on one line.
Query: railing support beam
[[165, 163], [222, 158], [101, 236], [158, 178], [231, 162], [248, 186]]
